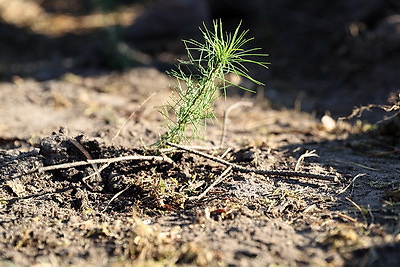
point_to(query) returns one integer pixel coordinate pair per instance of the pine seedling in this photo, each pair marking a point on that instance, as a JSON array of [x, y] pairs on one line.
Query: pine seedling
[[201, 77]]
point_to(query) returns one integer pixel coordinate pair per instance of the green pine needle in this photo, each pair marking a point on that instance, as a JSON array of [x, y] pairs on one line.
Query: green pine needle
[[195, 94]]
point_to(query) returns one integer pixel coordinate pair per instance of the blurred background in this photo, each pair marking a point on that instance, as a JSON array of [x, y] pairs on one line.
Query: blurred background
[[328, 54]]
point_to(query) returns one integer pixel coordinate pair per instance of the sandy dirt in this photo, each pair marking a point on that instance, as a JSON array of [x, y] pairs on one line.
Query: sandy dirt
[[163, 207]]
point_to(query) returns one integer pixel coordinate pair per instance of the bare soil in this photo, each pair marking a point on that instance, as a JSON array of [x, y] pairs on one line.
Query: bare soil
[[148, 212]]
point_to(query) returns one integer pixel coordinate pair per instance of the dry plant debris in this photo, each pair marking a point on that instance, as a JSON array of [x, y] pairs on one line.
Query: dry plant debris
[[140, 208]]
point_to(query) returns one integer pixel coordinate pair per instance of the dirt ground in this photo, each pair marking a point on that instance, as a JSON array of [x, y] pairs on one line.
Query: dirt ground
[[160, 208]]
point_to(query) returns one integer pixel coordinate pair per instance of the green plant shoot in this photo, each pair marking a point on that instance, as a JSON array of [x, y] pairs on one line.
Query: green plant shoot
[[202, 76]]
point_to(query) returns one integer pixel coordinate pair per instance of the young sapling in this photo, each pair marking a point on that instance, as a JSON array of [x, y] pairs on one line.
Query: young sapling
[[201, 77]]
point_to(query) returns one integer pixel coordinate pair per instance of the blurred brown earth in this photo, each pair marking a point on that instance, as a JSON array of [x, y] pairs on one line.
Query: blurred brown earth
[[328, 53]]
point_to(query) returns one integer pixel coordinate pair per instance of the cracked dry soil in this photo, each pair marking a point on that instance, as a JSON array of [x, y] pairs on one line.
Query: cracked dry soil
[[143, 212]]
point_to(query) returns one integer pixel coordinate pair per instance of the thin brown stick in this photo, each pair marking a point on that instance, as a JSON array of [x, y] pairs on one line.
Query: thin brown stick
[[201, 148], [130, 116], [98, 172], [356, 164], [358, 111], [88, 156], [81, 148], [278, 173], [352, 182], [307, 154], [217, 181], [346, 217], [226, 115], [99, 161], [358, 208], [115, 197], [226, 152]]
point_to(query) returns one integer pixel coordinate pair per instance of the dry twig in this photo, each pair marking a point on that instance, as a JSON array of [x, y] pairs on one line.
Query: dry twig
[[130, 116], [358, 111], [307, 154], [226, 115], [359, 209], [356, 164], [352, 182], [89, 157], [162, 158], [115, 197], [217, 181], [235, 167]]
